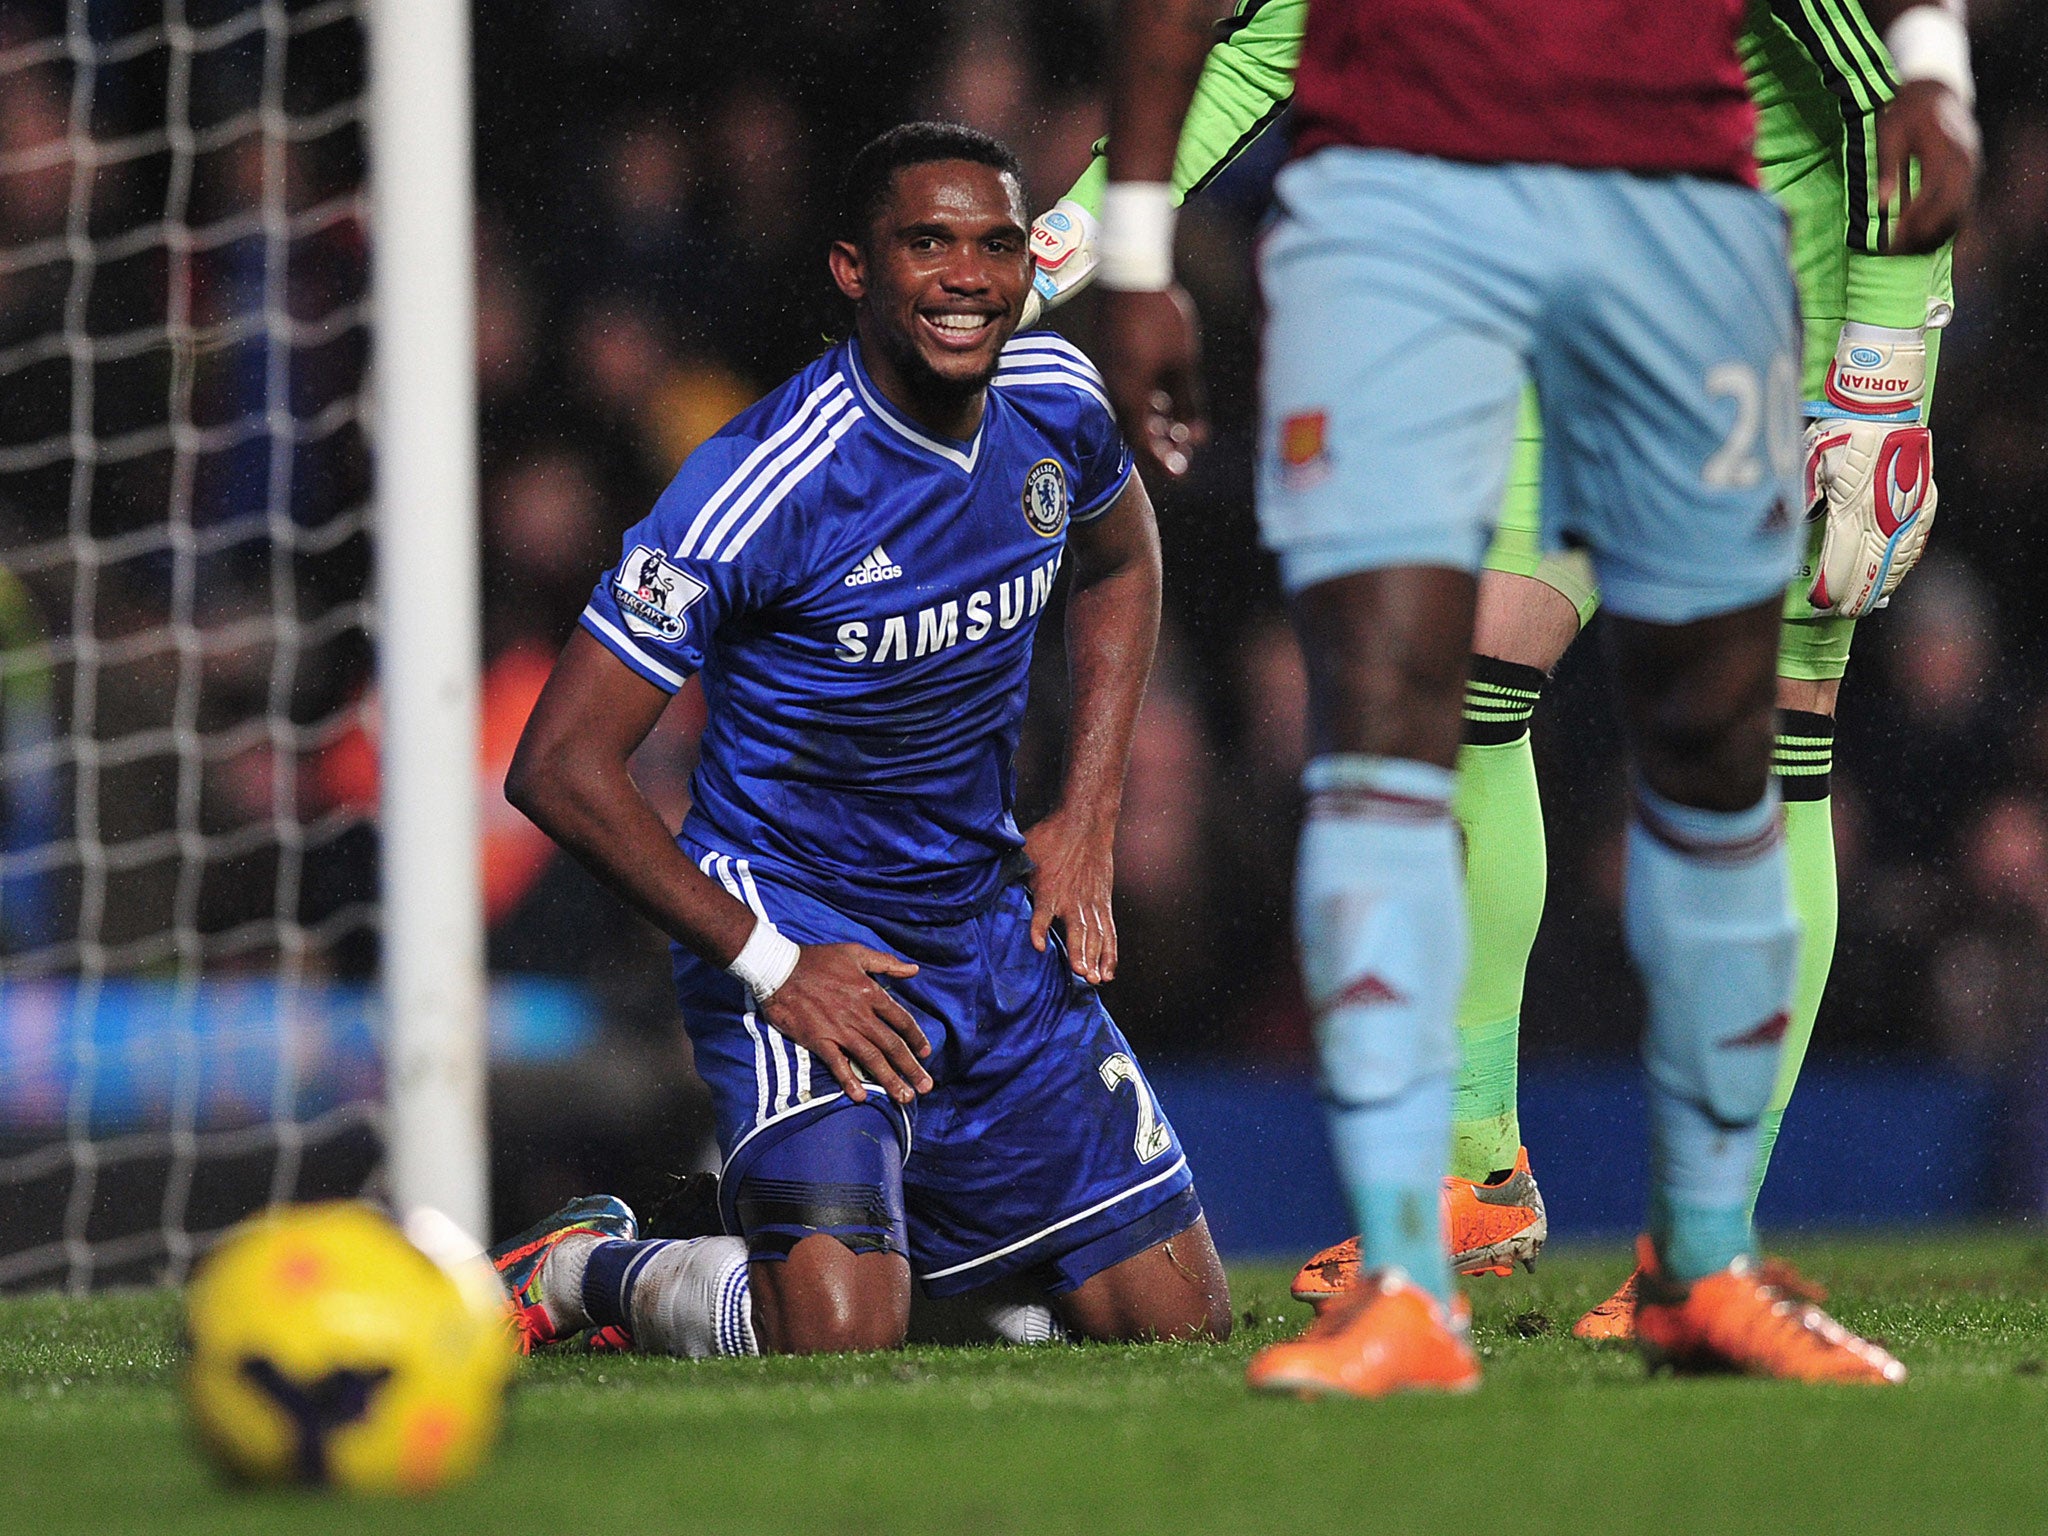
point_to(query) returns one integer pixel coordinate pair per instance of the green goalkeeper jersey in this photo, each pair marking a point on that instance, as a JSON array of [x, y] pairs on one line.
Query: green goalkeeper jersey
[[1818, 73]]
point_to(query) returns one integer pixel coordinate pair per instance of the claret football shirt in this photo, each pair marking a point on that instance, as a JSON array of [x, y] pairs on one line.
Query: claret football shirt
[[860, 597], [1653, 86]]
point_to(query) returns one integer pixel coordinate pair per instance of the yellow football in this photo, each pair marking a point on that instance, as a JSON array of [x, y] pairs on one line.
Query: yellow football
[[324, 1348]]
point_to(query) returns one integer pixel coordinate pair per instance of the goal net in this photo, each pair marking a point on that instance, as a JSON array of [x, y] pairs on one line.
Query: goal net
[[187, 785]]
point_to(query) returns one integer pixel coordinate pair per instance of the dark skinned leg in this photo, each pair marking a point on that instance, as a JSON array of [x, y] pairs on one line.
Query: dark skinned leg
[[1698, 700], [1173, 1290], [826, 1299], [1386, 653]]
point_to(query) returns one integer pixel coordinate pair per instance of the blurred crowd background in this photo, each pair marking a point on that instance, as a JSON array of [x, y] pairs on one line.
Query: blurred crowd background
[[656, 184]]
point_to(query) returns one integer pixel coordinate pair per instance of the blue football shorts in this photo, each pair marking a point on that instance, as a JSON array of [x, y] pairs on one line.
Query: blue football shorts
[[1040, 1150], [1410, 299]]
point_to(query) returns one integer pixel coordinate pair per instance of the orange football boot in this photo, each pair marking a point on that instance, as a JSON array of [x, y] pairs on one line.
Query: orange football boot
[[1757, 1319], [1614, 1318], [1495, 1226], [1490, 1227], [1328, 1275], [1385, 1334]]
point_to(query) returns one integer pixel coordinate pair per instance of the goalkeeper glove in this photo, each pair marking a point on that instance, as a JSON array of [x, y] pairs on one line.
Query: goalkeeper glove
[[1869, 469], [1066, 242]]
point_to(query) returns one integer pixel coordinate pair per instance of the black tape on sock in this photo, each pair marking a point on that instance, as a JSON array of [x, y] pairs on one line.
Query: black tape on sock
[[1500, 696], [1803, 756]]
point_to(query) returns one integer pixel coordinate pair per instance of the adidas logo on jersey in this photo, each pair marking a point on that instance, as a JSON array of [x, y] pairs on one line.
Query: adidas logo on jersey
[[877, 567]]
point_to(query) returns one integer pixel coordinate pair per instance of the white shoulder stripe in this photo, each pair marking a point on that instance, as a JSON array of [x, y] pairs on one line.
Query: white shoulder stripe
[[1035, 377], [789, 482], [733, 482], [1048, 368], [1043, 341], [1047, 344], [793, 450], [612, 632]]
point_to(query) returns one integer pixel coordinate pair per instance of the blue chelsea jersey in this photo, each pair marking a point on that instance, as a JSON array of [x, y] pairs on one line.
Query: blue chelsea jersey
[[860, 597]]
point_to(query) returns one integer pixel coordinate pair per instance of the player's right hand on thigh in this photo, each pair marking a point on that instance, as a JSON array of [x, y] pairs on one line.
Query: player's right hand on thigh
[[833, 1007]]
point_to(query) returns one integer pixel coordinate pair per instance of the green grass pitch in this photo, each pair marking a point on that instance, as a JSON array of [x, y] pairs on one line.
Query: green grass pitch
[[1563, 1437]]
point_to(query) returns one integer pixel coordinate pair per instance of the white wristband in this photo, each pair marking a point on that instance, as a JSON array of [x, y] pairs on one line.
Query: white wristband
[[1928, 42], [1137, 236], [764, 961]]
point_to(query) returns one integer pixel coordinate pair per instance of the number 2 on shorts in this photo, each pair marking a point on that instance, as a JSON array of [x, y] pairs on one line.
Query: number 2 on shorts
[[1152, 1138]]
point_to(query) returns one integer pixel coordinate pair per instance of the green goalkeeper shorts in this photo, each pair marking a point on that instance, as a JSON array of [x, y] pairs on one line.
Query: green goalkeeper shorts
[[1517, 546]]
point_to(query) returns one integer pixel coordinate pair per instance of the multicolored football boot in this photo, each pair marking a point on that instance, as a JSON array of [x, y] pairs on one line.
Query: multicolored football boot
[[518, 1261], [1614, 1318], [1490, 1228], [1752, 1318], [1385, 1334]]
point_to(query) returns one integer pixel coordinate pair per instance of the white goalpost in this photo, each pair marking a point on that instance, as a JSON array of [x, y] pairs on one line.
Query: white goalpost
[[241, 938], [428, 601]]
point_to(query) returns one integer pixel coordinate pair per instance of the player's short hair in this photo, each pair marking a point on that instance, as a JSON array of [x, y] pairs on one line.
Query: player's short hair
[[873, 171]]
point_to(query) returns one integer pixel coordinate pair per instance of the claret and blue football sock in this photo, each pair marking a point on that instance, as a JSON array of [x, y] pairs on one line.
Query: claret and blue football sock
[[1391, 1155], [1709, 922], [1506, 870], [1380, 911]]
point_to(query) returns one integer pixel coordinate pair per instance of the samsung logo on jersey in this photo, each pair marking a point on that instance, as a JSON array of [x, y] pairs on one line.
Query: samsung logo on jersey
[[947, 624]]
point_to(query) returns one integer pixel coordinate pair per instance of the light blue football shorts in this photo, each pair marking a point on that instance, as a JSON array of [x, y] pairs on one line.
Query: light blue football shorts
[[1409, 300]]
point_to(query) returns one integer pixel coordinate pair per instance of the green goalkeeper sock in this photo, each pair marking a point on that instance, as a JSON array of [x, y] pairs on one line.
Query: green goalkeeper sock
[[1501, 816], [1802, 761]]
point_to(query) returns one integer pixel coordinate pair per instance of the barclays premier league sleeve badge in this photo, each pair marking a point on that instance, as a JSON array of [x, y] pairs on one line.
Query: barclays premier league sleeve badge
[[653, 594], [1045, 498]]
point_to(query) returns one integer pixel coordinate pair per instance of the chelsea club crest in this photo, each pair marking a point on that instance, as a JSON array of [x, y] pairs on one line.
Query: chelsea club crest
[[1045, 498]]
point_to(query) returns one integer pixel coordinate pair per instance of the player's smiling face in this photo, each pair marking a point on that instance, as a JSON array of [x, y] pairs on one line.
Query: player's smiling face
[[940, 282]]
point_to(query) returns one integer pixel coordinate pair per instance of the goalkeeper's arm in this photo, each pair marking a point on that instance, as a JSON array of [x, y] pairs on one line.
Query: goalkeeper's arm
[[1247, 81], [1869, 456]]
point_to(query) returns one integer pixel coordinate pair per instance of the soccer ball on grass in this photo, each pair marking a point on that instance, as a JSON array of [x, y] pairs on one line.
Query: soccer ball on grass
[[325, 1348]]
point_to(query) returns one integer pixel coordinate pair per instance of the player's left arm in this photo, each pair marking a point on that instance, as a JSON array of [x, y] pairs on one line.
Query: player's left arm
[[1112, 629]]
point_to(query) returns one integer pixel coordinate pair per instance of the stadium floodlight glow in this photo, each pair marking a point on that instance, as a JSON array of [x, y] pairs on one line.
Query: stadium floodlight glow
[[423, 287]]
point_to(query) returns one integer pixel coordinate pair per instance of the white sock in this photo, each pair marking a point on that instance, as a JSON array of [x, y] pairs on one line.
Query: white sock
[[1025, 1322], [1008, 1312], [692, 1299]]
